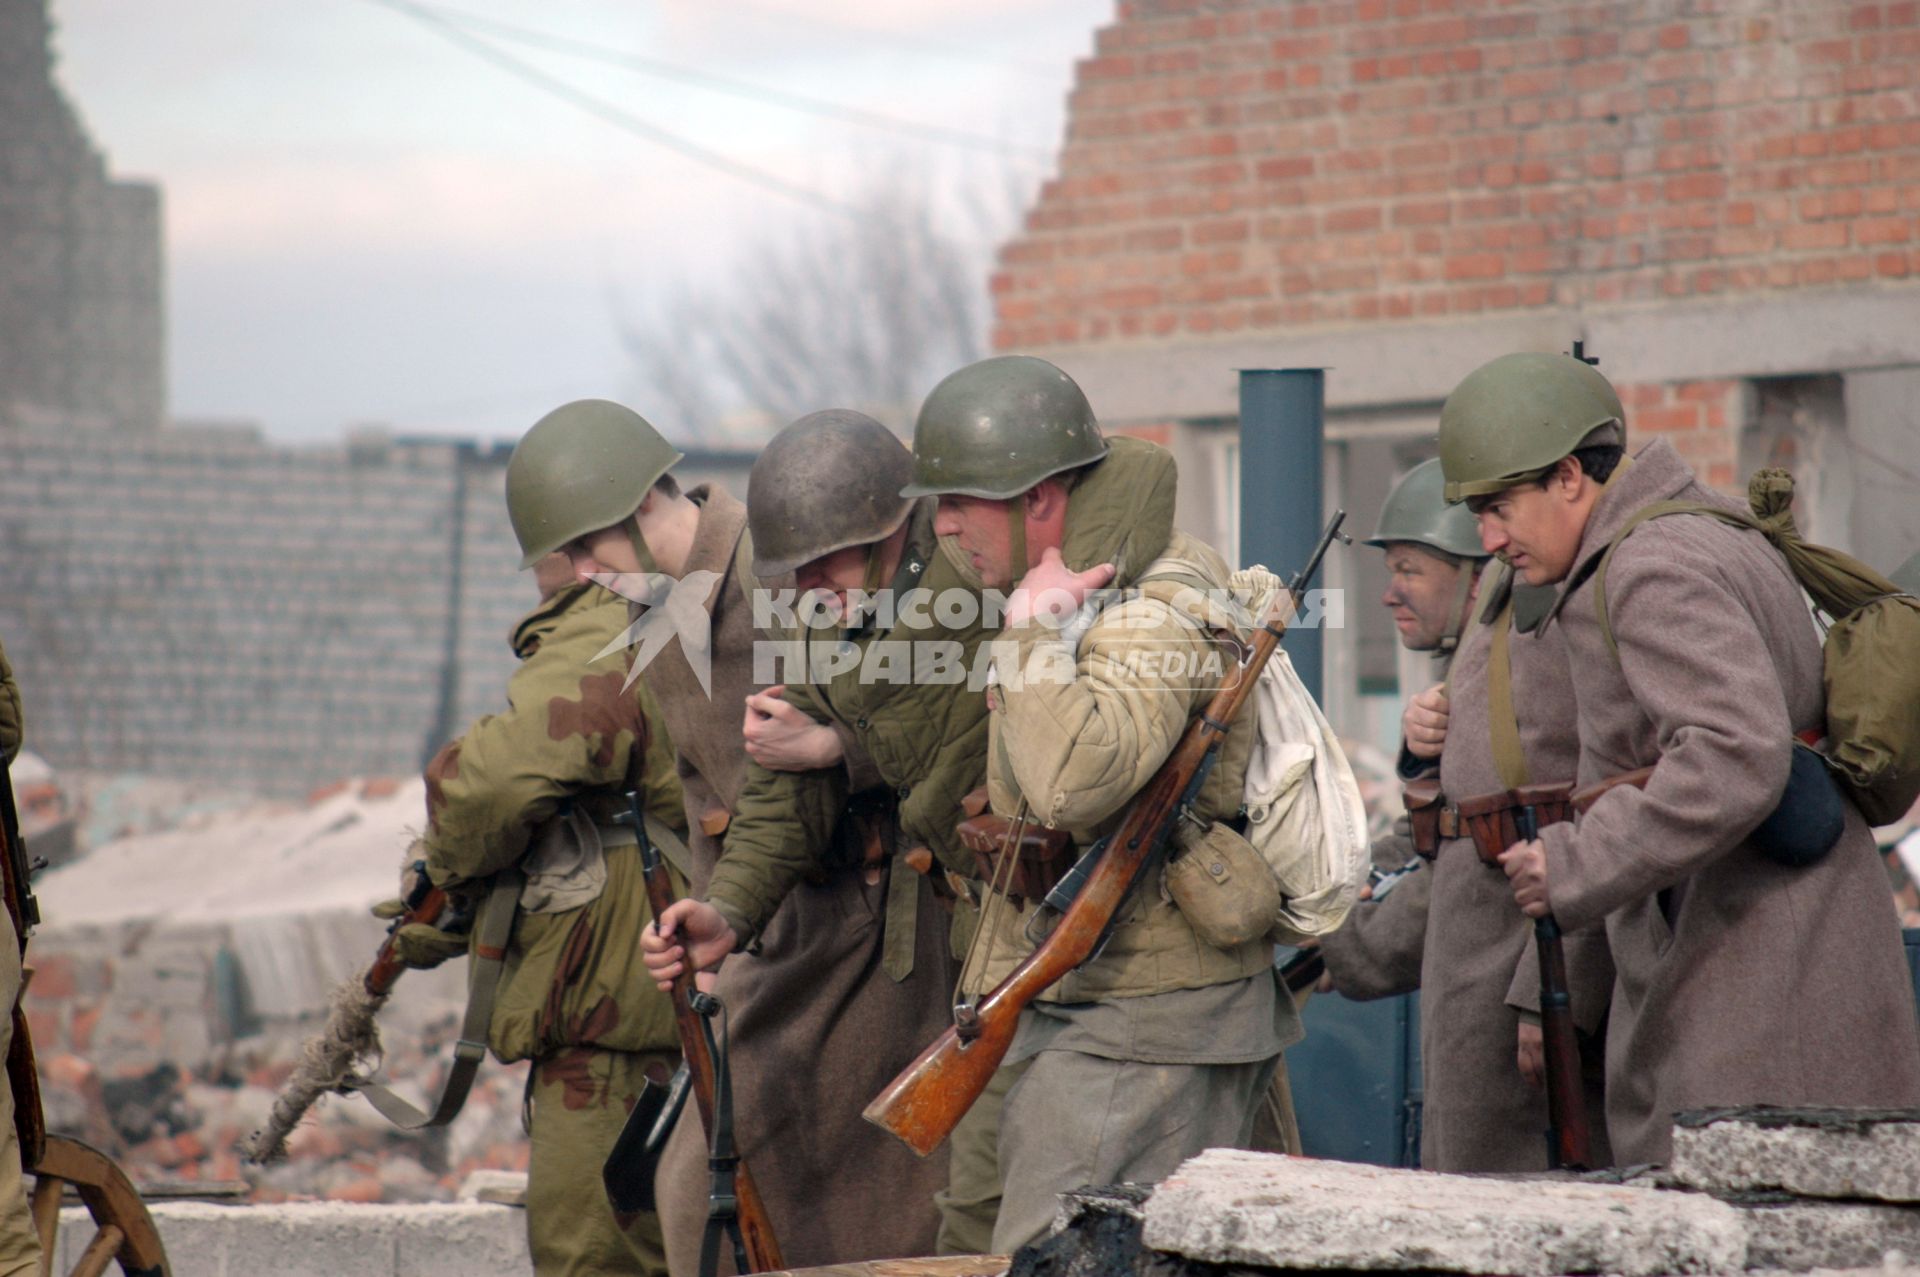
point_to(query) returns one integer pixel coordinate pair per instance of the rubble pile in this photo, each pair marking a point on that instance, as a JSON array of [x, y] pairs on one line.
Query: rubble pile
[[178, 974], [1751, 1190]]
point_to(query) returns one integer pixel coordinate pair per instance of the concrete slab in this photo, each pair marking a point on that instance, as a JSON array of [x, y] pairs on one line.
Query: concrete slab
[[1801, 1235], [1270, 1210], [1844, 1153], [325, 1239]]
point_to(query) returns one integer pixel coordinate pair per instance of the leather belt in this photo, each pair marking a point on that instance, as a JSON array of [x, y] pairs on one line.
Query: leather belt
[[1450, 823]]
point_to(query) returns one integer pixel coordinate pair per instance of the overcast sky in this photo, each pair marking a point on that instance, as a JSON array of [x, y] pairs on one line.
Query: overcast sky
[[368, 222]]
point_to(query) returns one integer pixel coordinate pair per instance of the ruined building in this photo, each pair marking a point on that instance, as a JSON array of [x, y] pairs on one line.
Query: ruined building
[[195, 600], [80, 257], [1722, 200]]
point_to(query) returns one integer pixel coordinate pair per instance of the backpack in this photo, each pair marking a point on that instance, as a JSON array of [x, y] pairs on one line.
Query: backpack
[[1870, 656], [1301, 804]]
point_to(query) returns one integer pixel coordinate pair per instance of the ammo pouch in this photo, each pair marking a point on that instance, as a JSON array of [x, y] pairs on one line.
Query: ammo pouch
[[1425, 804], [1491, 820], [1040, 860], [1222, 885], [1039, 863]]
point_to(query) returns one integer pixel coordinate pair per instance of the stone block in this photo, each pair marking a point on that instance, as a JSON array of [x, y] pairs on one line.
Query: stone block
[[1271, 1210], [1847, 1153], [325, 1239], [1802, 1235]]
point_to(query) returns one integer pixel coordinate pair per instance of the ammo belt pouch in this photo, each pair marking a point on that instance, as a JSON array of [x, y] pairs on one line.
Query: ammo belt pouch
[[1426, 810], [1492, 820], [1039, 859]]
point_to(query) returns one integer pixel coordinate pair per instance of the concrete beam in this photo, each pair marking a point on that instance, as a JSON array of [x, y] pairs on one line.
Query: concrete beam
[[325, 1239], [1379, 365]]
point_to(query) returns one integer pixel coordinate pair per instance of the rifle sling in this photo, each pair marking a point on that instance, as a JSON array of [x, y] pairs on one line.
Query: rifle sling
[[1502, 724], [491, 934], [492, 931]]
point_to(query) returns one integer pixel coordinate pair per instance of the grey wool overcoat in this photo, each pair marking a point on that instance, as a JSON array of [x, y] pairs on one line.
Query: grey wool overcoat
[[1481, 1114], [1740, 981]]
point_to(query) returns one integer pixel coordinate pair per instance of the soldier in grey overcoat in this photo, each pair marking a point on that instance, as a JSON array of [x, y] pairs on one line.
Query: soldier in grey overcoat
[[1741, 979]]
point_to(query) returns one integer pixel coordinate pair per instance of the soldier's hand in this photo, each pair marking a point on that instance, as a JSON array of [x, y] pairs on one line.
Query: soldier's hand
[[424, 947], [1425, 722], [1533, 1054], [388, 910], [1051, 590], [1526, 866], [782, 738], [687, 926]]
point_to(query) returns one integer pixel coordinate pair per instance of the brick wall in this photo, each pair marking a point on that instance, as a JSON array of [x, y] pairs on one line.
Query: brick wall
[[1699, 418], [199, 603], [1237, 167]]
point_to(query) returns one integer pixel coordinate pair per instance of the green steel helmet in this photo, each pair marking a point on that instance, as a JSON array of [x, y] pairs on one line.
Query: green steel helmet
[[996, 428], [1414, 511], [1514, 417], [829, 480], [584, 466]]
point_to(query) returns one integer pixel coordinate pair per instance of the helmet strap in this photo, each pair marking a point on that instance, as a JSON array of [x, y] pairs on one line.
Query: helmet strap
[[641, 550], [876, 563], [1017, 561], [1457, 614]]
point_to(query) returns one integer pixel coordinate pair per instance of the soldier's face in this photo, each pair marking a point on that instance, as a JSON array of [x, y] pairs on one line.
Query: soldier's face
[[979, 526], [598, 553], [1421, 590], [1536, 527], [833, 575]]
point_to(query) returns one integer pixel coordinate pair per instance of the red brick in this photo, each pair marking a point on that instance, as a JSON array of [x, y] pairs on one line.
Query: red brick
[[1678, 417], [1884, 230], [1823, 235]]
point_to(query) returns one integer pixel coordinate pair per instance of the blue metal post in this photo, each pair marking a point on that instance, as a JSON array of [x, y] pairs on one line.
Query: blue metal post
[[1281, 432]]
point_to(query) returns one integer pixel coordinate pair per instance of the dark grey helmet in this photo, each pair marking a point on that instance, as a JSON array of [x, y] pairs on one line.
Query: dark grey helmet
[[829, 480]]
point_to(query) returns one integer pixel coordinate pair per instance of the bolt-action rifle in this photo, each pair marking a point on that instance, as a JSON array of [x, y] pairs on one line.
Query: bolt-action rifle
[[923, 1104], [24, 911], [735, 1205], [1569, 1139]]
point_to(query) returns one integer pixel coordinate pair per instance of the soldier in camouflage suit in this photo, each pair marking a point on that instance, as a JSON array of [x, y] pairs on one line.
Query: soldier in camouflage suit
[[536, 788]]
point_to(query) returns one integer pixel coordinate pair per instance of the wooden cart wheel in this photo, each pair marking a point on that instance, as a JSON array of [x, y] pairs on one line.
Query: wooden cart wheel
[[123, 1230]]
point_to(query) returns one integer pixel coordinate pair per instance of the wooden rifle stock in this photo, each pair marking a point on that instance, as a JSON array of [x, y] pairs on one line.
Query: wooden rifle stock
[[1569, 1139], [425, 904], [756, 1230], [927, 1100]]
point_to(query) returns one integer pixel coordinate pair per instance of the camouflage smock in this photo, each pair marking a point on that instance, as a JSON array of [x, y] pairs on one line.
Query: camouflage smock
[[569, 736]]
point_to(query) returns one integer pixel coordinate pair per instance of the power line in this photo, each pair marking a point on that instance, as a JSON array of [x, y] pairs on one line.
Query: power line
[[899, 39], [741, 88], [614, 115]]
